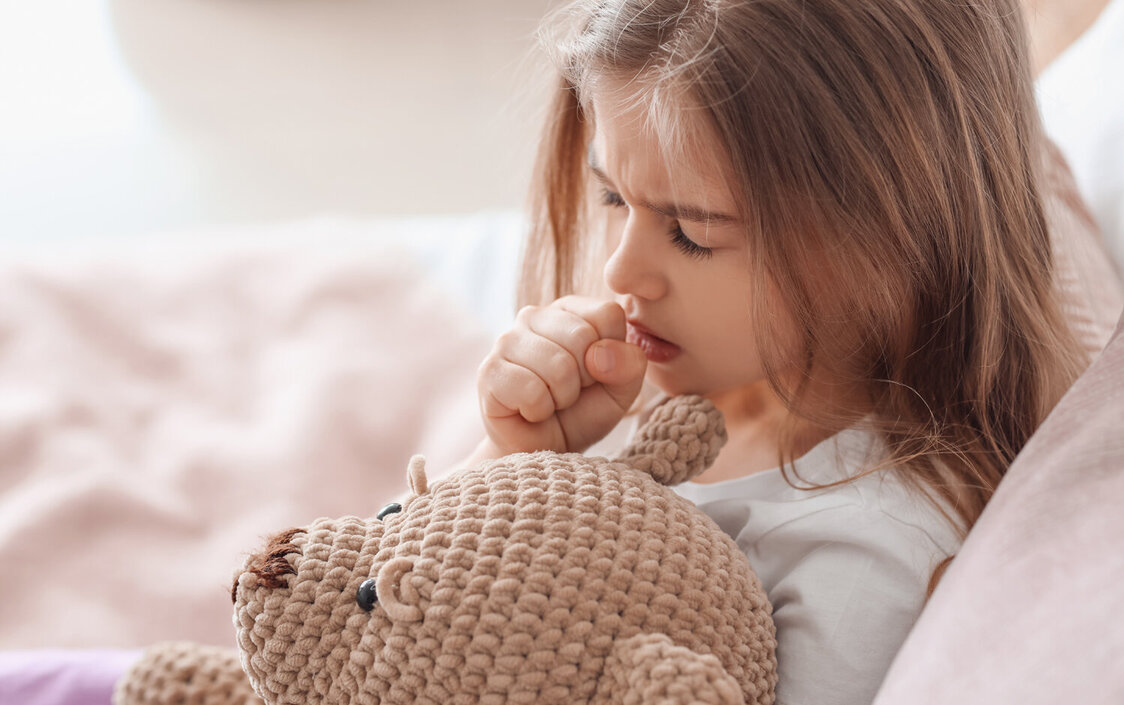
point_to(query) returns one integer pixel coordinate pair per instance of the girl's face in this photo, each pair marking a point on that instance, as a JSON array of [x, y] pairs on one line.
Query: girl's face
[[678, 261]]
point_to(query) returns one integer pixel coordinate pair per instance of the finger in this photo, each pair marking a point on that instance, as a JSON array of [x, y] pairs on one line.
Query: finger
[[606, 316], [514, 434], [523, 315], [551, 362], [603, 405], [507, 389], [569, 330], [624, 376]]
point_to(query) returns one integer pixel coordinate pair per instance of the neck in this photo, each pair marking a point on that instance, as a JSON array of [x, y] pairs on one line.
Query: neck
[[752, 403], [754, 419]]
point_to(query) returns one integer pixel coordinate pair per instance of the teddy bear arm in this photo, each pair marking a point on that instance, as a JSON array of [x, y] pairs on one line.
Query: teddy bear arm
[[650, 668], [182, 672], [680, 440]]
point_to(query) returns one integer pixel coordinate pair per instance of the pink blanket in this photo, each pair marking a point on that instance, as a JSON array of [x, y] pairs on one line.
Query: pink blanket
[[162, 409]]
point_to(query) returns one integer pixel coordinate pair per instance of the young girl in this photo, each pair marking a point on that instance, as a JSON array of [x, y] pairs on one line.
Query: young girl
[[823, 215]]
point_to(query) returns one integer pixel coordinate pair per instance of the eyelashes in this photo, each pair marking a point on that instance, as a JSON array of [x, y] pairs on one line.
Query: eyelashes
[[678, 237], [612, 198]]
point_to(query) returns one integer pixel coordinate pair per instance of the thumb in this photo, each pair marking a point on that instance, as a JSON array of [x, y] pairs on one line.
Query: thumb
[[619, 367]]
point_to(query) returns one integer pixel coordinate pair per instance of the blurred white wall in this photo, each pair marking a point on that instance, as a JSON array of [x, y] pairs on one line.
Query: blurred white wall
[[122, 117]]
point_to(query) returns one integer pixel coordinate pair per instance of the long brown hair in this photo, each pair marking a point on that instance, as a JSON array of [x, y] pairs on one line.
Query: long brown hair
[[884, 151]]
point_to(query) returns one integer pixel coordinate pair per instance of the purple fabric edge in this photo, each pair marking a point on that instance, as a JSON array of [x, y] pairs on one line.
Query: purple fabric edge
[[62, 676]]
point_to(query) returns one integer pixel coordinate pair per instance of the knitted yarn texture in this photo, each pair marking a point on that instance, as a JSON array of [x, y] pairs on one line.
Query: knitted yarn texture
[[182, 673], [533, 578]]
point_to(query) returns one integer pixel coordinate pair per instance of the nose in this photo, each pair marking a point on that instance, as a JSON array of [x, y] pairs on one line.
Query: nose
[[632, 267]]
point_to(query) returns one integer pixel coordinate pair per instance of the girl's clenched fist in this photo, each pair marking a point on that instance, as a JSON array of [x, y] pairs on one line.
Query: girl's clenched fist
[[561, 379]]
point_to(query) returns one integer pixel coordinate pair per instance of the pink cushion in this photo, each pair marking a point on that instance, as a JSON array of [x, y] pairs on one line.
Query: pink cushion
[[1032, 609]]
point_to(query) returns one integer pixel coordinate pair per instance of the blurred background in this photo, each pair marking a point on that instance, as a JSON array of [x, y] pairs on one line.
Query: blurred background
[[131, 116]]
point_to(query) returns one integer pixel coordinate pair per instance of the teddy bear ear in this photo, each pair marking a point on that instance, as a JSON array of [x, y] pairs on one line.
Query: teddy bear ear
[[415, 475], [680, 440]]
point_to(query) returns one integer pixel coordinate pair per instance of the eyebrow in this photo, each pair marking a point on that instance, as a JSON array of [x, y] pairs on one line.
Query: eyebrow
[[692, 214]]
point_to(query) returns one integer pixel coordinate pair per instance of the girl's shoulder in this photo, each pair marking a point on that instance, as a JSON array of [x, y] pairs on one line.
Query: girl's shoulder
[[829, 492]]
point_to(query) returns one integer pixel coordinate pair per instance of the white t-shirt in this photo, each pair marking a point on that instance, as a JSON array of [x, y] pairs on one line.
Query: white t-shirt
[[845, 568]]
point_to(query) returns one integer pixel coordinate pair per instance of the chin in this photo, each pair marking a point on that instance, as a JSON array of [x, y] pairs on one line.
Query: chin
[[674, 386]]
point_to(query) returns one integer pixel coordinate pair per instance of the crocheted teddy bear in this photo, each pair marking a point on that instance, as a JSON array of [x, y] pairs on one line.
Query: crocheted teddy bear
[[533, 578]]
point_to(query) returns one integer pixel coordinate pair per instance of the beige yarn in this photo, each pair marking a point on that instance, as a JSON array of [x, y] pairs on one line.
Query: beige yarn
[[181, 673], [534, 578]]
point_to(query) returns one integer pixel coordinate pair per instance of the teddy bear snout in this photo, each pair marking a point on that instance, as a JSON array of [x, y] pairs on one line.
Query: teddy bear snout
[[397, 594]]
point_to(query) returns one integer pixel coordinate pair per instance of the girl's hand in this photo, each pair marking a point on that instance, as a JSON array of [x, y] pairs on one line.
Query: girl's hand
[[561, 379]]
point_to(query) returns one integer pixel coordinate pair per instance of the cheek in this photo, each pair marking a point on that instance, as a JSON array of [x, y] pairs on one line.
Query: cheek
[[613, 228], [781, 337], [734, 325]]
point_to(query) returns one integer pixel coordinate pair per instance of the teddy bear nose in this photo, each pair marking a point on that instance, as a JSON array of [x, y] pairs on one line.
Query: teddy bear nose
[[396, 592]]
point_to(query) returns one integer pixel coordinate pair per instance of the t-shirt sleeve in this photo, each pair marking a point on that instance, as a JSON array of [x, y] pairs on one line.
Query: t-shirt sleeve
[[847, 586]]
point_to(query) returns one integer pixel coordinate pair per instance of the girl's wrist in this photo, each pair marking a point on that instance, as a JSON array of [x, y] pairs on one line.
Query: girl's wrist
[[485, 450]]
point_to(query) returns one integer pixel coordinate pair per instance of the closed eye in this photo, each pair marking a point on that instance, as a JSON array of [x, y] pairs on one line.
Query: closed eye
[[612, 198], [678, 237]]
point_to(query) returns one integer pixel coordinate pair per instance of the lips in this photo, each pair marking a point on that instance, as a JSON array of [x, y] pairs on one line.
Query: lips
[[648, 332], [656, 349]]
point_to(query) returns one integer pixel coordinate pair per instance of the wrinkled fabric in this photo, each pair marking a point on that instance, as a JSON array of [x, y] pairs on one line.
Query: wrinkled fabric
[[163, 407]]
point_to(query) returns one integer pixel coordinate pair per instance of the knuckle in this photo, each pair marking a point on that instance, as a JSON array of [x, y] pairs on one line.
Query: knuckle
[[488, 368], [540, 397], [536, 409], [561, 367], [507, 340], [525, 313], [584, 332]]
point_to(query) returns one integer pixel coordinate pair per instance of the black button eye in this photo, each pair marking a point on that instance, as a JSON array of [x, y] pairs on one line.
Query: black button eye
[[392, 508], [367, 596]]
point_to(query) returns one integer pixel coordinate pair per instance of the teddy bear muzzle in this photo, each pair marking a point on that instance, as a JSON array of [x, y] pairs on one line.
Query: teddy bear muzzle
[[396, 592]]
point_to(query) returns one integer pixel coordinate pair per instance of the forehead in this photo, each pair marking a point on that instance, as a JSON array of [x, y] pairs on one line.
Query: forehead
[[641, 137]]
